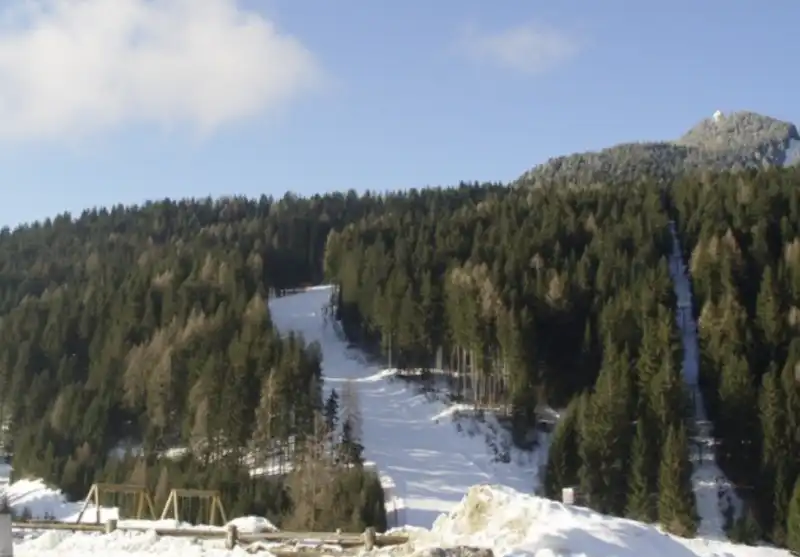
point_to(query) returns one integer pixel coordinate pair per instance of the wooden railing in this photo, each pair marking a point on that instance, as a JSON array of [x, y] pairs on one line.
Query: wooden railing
[[369, 539]]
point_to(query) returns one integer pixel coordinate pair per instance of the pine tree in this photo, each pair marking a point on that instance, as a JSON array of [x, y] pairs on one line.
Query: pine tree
[[789, 380], [746, 529], [648, 362], [640, 494], [738, 421], [351, 449], [793, 520], [562, 457], [331, 410], [769, 314], [605, 434], [675, 498], [772, 415], [330, 413], [780, 504]]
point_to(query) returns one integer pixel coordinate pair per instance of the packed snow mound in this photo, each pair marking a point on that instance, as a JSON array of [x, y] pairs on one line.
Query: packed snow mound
[[42, 501], [515, 524], [253, 524]]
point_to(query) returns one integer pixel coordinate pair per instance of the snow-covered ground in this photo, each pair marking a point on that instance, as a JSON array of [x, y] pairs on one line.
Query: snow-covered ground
[[43, 502], [713, 491], [519, 525], [426, 465], [792, 154]]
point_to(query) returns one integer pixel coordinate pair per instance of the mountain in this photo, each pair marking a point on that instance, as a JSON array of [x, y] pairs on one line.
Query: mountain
[[735, 141]]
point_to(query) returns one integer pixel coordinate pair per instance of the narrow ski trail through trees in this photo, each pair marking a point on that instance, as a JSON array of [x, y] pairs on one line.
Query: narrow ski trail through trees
[[712, 489]]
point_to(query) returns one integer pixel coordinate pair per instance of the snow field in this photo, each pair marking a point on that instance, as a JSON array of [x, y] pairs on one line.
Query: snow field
[[424, 463]]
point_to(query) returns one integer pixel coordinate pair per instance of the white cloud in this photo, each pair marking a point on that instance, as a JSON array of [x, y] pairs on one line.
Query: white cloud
[[73, 68], [530, 49]]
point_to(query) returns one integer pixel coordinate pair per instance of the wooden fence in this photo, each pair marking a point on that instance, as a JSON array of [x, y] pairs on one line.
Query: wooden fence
[[369, 539]]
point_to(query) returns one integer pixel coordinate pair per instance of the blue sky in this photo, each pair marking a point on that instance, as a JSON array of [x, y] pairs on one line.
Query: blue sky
[[118, 102]]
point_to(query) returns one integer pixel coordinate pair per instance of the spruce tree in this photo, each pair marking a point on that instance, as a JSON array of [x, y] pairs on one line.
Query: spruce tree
[[675, 498], [739, 422], [793, 520], [640, 495], [769, 314], [350, 448], [331, 413], [780, 505], [606, 433], [772, 415], [746, 529], [562, 457]]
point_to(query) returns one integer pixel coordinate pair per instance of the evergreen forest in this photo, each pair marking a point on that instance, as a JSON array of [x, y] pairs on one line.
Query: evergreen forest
[[129, 331]]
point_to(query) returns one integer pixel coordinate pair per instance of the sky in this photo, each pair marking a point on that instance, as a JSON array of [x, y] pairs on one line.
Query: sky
[[105, 102]]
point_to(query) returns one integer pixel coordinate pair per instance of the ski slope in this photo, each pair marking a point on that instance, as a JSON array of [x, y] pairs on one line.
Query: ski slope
[[425, 464], [713, 491]]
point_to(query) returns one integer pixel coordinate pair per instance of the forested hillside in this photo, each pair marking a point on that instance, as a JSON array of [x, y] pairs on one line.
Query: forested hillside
[[148, 328], [743, 243], [562, 296], [539, 296]]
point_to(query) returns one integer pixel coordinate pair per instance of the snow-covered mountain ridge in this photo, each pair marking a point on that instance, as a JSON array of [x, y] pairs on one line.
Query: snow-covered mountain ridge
[[733, 141]]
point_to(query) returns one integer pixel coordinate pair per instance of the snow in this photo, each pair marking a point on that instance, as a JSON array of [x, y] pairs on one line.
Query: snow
[[253, 524], [43, 501], [118, 544], [713, 491], [512, 524], [425, 464], [520, 525], [792, 154]]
